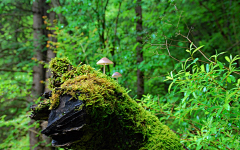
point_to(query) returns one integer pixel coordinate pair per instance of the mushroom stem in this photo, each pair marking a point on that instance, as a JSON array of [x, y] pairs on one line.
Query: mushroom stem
[[116, 75], [104, 61], [104, 69]]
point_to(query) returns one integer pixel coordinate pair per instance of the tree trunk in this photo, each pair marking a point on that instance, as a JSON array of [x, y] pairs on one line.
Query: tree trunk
[[50, 54], [114, 43], [39, 9], [139, 29], [38, 70]]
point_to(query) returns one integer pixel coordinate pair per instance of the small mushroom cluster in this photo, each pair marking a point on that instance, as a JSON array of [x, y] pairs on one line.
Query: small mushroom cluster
[[105, 61]]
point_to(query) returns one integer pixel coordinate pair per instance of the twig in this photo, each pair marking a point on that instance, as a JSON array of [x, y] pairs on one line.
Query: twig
[[196, 48], [169, 54], [233, 45], [203, 54]]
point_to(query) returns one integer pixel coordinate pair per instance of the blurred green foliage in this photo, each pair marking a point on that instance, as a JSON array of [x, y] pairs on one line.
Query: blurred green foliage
[[195, 97]]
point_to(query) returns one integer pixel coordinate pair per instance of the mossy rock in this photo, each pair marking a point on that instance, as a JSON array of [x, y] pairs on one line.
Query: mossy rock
[[113, 119]]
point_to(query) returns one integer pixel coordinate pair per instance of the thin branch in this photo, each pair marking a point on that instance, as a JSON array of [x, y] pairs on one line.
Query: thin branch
[[196, 48], [203, 54], [233, 45], [169, 54], [179, 17], [189, 31]]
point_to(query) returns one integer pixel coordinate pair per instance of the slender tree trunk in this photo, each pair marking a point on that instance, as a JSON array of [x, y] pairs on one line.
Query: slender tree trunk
[[39, 9], [115, 36], [50, 54], [38, 70], [139, 29]]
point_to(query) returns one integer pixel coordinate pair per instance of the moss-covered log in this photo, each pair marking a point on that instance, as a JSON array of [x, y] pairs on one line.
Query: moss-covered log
[[90, 110]]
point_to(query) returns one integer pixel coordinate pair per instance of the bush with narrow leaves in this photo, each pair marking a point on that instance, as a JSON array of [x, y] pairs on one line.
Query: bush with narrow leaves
[[203, 103]]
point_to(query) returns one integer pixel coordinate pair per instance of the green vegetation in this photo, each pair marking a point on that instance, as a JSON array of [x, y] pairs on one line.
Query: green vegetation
[[194, 92], [202, 104]]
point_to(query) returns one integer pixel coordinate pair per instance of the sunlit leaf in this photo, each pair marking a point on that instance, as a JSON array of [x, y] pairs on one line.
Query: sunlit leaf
[[227, 58]]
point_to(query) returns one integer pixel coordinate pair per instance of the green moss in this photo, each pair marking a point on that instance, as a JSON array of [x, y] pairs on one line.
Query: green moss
[[45, 103], [105, 100], [59, 66], [54, 99]]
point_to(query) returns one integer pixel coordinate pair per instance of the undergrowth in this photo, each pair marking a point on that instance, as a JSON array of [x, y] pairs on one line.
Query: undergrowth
[[202, 105]]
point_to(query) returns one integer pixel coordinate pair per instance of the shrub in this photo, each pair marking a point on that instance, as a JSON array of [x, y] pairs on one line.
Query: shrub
[[202, 105]]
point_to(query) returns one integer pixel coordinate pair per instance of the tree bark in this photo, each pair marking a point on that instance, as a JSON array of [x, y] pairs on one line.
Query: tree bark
[[38, 70], [115, 39], [39, 9], [139, 29], [50, 53]]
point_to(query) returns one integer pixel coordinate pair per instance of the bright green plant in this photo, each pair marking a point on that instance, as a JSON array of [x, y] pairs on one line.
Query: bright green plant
[[17, 136], [202, 105]]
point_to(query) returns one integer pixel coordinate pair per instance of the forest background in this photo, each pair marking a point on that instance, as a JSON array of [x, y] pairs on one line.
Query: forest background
[[179, 60]]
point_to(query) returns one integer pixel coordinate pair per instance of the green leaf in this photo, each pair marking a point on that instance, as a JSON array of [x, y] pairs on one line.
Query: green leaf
[[219, 111], [197, 49], [207, 68], [227, 106], [141, 64], [185, 97], [229, 79], [169, 88], [227, 58], [202, 68], [135, 46], [191, 46], [220, 65], [232, 78], [194, 95], [229, 96], [195, 60], [213, 130], [238, 82]]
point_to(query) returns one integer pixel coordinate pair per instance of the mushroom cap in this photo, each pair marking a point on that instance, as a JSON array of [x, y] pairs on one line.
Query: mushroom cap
[[104, 61], [116, 75]]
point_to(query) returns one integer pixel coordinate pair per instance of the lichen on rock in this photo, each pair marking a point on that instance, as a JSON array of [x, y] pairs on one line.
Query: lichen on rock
[[114, 120]]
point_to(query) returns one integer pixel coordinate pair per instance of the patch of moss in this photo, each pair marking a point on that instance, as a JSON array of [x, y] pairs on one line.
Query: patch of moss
[[54, 99], [45, 103], [104, 97], [41, 111], [59, 66]]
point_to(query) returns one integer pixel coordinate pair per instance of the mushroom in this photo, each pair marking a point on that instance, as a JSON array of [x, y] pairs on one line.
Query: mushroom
[[116, 75], [104, 61]]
